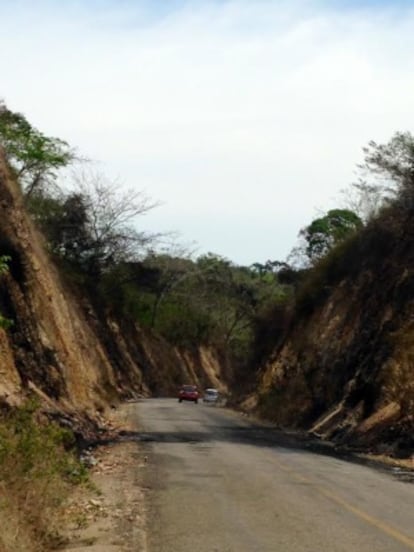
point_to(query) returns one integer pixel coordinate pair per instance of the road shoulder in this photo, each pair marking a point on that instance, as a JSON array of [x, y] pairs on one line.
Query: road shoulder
[[109, 515]]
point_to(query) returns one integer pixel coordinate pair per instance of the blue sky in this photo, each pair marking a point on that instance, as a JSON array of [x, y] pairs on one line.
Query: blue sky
[[244, 118]]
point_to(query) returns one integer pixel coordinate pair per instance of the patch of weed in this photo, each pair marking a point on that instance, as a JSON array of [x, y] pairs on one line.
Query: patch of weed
[[38, 466]]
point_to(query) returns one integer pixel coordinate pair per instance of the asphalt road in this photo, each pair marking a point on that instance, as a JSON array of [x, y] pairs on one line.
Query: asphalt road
[[219, 483]]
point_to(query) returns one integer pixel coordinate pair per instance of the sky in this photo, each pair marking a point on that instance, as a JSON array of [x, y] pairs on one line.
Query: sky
[[243, 118]]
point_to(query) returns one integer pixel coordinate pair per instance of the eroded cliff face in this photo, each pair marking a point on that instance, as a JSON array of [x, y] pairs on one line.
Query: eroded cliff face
[[344, 369], [76, 359]]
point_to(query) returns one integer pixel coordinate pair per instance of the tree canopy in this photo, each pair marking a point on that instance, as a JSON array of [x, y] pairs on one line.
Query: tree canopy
[[34, 157], [325, 232]]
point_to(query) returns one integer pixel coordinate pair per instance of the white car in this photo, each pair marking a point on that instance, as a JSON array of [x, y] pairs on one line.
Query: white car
[[210, 395]]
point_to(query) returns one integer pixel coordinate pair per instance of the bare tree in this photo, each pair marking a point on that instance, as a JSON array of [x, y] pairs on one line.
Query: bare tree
[[94, 223], [365, 198]]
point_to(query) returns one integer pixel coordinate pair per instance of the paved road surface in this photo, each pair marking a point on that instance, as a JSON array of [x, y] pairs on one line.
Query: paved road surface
[[222, 484]]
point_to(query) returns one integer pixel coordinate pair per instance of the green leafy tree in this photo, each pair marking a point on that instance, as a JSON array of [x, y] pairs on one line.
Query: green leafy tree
[[173, 273], [325, 232], [236, 295], [34, 157]]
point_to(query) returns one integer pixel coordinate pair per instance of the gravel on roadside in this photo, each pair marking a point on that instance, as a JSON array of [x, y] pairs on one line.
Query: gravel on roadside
[[108, 515]]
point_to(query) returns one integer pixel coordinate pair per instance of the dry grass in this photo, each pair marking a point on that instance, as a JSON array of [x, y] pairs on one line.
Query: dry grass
[[398, 374], [37, 471]]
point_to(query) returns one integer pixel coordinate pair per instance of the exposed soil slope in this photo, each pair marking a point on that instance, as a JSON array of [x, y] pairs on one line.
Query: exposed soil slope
[[344, 367]]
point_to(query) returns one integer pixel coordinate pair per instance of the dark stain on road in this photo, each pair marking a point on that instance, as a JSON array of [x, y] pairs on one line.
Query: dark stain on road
[[263, 436]]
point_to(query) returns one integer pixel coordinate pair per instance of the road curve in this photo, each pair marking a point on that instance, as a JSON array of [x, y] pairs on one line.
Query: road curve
[[219, 483]]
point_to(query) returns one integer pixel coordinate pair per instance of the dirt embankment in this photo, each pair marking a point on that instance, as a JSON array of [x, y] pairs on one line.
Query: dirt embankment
[[343, 369]]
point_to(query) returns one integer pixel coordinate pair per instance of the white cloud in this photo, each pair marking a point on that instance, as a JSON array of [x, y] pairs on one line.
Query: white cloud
[[241, 117]]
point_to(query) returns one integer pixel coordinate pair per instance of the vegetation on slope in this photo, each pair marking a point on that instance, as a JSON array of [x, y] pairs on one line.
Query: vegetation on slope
[[38, 468], [347, 352]]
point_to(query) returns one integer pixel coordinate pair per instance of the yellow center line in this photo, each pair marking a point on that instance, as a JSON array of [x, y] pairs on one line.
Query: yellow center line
[[382, 526]]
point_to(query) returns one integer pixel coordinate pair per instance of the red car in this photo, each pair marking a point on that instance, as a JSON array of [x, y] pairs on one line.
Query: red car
[[188, 393]]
